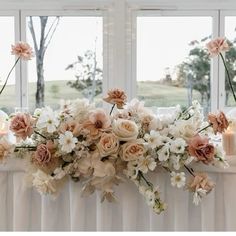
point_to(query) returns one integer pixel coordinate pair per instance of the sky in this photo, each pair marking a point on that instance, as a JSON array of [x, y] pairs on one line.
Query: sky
[[161, 42]]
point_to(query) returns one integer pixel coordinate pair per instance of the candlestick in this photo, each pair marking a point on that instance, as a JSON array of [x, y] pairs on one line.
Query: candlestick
[[229, 142]]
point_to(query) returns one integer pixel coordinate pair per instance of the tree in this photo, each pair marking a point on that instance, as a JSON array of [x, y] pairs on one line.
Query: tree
[[40, 48], [194, 72], [88, 75]]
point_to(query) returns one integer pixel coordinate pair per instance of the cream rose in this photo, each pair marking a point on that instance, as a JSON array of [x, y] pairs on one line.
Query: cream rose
[[132, 150], [125, 130], [108, 144]]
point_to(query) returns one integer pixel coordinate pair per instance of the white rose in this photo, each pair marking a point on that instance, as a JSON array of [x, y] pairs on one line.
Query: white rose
[[108, 144], [125, 130]]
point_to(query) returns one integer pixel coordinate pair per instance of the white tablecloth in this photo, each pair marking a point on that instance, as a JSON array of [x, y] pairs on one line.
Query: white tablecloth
[[25, 210]]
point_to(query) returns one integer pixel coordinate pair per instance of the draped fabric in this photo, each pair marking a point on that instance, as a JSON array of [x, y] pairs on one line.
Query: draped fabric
[[24, 209]]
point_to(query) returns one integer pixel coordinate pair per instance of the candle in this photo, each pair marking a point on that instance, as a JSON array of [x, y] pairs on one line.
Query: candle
[[229, 142]]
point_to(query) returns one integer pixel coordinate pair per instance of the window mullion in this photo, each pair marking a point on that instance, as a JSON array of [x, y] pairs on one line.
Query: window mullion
[[23, 72]]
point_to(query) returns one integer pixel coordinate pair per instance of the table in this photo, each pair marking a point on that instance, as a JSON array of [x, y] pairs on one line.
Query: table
[[23, 209]]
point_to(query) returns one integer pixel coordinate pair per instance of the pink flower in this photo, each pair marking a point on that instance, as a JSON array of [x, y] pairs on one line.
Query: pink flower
[[5, 148], [132, 150], [219, 122], [200, 180], [116, 96], [22, 125], [97, 121], [217, 46], [200, 148], [22, 50], [42, 155]]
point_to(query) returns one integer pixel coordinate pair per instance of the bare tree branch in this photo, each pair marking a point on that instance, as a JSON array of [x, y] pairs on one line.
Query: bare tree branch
[[52, 33], [50, 28], [31, 27]]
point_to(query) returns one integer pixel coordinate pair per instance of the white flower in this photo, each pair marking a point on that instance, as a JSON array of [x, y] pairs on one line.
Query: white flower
[[48, 120], [150, 197], [142, 189], [132, 170], [155, 124], [67, 141], [163, 153], [146, 163], [125, 130], [154, 139], [178, 145], [37, 112], [80, 108], [175, 160], [59, 173], [44, 183], [178, 179], [198, 195]]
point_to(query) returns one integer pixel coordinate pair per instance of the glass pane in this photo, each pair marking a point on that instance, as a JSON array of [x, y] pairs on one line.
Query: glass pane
[[173, 66], [72, 64], [230, 56], [7, 98]]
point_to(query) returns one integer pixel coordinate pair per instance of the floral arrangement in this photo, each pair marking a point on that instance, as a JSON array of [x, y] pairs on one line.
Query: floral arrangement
[[102, 150]]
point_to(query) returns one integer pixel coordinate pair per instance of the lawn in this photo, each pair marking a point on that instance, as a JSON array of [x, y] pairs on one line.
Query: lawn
[[153, 93]]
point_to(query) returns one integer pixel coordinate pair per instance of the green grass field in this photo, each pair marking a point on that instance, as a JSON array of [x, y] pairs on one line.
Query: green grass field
[[153, 93]]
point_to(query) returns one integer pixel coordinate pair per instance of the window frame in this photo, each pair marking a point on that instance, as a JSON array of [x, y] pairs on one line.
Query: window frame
[[18, 82], [222, 105], [75, 13], [167, 12]]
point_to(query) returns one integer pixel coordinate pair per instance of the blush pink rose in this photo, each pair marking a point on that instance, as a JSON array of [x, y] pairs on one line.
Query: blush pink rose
[[200, 148], [217, 46], [219, 122], [132, 150], [22, 125], [117, 97], [42, 155], [22, 50]]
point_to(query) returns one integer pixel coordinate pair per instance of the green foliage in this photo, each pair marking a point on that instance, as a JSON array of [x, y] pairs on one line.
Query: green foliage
[[197, 69], [88, 75]]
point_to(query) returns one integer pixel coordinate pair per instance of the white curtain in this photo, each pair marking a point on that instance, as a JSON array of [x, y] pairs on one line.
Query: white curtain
[[23, 209]]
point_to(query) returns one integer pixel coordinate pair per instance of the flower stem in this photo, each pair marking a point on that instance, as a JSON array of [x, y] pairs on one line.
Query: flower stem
[[40, 134], [228, 76], [147, 182], [189, 170], [9, 75], [113, 106], [204, 128]]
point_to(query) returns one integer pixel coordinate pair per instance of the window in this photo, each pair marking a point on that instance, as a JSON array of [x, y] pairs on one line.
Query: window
[[172, 65], [137, 49], [8, 97], [72, 64], [228, 19]]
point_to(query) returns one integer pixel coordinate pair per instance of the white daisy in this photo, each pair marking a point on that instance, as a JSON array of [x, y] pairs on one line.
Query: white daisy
[[153, 139], [164, 153], [48, 120], [67, 141], [178, 179], [175, 161], [178, 145], [146, 163], [150, 197]]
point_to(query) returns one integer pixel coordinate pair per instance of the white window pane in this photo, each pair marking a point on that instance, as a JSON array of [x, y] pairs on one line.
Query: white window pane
[[230, 56], [7, 98], [73, 58], [173, 66]]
